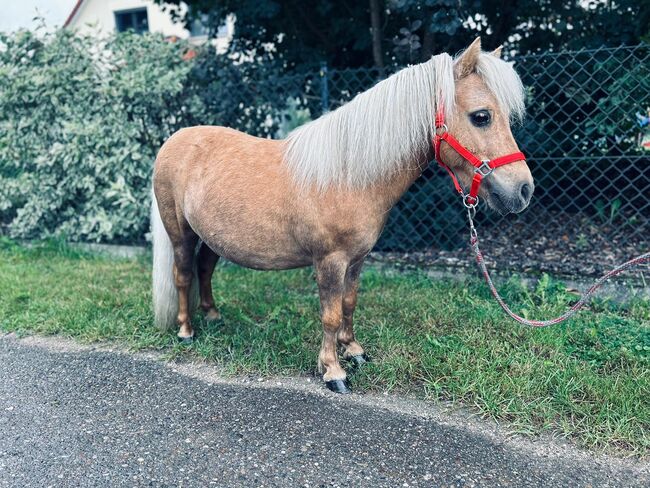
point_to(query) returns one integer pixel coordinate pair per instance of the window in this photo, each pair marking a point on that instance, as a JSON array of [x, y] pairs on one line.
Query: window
[[135, 20]]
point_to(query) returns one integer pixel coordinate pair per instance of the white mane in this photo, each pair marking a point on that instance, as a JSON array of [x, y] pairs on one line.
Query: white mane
[[382, 129]]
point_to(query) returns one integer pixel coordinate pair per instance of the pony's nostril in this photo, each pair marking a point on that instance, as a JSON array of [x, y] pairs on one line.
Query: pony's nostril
[[525, 192]]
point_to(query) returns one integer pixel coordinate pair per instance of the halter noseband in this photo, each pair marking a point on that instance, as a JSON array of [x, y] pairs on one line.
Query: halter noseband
[[482, 168]]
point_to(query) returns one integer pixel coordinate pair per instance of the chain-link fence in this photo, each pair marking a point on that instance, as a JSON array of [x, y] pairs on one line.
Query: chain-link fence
[[581, 137]]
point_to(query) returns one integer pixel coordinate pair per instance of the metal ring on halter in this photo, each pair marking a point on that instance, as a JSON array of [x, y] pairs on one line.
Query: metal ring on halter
[[484, 169], [467, 203], [442, 127]]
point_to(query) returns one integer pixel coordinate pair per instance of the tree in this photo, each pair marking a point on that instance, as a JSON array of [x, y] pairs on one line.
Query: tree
[[342, 33], [303, 34], [533, 26], [375, 22], [349, 33]]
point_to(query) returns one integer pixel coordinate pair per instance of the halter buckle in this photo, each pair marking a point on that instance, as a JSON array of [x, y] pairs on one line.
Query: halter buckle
[[484, 169]]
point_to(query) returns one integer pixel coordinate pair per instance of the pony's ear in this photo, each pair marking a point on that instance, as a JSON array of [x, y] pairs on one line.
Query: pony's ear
[[466, 62], [497, 52]]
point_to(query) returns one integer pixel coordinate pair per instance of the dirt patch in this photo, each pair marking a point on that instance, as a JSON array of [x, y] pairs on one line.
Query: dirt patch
[[569, 246]]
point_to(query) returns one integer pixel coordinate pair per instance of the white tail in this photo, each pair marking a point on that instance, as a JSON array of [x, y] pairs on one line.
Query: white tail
[[165, 296]]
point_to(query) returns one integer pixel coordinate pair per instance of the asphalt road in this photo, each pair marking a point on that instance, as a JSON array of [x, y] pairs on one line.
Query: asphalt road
[[78, 417]]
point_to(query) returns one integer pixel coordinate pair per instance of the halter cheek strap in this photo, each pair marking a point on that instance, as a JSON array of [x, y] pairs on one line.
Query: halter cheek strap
[[482, 168]]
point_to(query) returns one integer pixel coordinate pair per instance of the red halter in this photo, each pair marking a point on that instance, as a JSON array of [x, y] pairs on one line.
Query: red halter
[[482, 168]]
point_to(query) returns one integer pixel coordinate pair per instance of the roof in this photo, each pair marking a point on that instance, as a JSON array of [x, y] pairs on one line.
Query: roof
[[75, 9]]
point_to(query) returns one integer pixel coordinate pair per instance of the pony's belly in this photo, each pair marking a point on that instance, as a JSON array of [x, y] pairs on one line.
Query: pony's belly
[[264, 261], [265, 251]]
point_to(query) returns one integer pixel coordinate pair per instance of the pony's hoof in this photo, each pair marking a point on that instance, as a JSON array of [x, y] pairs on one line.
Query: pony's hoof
[[186, 341], [359, 360], [338, 386]]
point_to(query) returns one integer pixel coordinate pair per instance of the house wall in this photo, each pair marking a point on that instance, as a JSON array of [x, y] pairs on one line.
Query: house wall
[[94, 15], [101, 13]]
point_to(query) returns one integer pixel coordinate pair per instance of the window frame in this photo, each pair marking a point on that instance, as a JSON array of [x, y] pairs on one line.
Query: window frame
[[131, 12]]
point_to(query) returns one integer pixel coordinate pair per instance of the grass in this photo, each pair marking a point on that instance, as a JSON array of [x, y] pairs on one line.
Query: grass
[[588, 379]]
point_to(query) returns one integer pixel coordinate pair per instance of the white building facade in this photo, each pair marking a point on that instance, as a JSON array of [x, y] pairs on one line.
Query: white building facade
[[105, 16]]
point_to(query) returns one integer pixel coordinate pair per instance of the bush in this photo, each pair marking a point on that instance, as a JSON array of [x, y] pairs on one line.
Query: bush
[[80, 122]]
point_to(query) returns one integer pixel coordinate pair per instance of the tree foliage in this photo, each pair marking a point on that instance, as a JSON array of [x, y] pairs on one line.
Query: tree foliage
[[553, 25], [303, 34]]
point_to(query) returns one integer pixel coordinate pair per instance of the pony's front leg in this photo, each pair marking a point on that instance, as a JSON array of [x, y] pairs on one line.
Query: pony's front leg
[[352, 350], [330, 275]]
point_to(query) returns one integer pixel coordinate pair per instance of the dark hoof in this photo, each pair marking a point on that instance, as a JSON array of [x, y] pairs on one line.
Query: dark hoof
[[338, 386], [359, 360], [186, 341]]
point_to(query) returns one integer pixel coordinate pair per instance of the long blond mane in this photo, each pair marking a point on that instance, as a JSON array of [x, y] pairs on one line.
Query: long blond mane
[[384, 128]]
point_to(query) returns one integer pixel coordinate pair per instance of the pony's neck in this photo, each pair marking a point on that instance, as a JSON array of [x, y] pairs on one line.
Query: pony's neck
[[391, 190], [377, 134]]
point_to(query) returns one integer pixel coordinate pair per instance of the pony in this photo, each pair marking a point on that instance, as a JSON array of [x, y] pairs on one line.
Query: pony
[[321, 196]]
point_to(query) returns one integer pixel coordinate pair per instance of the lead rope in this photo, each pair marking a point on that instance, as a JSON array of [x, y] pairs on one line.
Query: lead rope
[[471, 212]]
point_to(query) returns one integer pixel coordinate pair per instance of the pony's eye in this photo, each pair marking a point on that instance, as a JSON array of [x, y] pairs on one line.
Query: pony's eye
[[480, 118]]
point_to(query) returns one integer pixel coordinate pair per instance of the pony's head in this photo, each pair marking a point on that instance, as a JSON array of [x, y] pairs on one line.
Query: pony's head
[[389, 128], [488, 96]]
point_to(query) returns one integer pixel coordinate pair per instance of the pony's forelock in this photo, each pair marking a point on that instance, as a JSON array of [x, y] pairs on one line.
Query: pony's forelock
[[504, 82]]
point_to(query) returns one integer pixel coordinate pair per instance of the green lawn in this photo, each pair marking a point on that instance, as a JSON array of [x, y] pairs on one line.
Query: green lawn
[[588, 379]]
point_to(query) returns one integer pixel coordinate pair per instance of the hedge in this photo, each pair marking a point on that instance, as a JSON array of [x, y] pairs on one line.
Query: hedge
[[81, 120]]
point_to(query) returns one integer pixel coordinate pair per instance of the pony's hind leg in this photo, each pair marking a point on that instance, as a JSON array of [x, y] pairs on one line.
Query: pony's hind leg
[[184, 248], [206, 262], [352, 350], [330, 275]]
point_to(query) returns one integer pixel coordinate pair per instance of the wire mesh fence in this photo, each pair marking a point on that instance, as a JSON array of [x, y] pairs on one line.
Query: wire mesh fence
[[581, 137]]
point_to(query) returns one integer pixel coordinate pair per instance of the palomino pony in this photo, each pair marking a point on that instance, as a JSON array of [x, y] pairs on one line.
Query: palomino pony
[[321, 196]]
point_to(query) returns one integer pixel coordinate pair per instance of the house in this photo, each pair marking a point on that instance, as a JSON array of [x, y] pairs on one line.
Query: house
[[104, 16]]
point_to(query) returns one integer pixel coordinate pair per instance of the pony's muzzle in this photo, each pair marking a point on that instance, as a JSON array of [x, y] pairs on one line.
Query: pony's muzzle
[[510, 199]]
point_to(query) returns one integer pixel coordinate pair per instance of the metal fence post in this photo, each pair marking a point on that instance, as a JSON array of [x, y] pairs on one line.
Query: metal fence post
[[324, 88]]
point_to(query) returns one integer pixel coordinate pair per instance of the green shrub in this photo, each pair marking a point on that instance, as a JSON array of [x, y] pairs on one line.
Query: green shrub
[[82, 117], [80, 123]]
